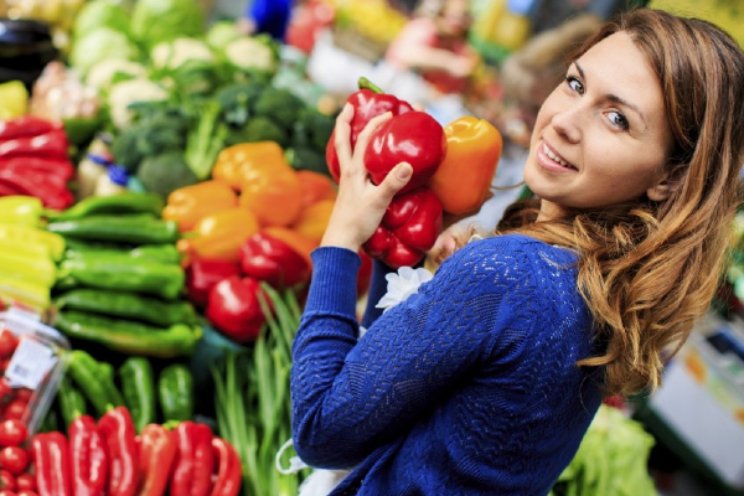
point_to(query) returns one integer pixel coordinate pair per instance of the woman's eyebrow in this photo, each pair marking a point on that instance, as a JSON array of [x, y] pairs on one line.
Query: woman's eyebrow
[[614, 98]]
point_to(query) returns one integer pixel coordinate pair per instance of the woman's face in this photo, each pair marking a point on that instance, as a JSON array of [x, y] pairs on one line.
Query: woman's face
[[601, 137]]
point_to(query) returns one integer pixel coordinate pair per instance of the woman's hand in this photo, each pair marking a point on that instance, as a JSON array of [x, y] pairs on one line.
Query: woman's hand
[[360, 205]]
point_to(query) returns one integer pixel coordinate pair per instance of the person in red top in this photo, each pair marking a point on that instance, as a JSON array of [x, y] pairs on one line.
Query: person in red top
[[435, 45]]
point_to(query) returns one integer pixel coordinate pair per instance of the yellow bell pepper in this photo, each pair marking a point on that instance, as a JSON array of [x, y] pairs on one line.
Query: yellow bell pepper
[[218, 236], [19, 209], [30, 294], [236, 162], [314, 219], [18, 265], [188, 205], [31, 235], [463, 180], [13, 100]]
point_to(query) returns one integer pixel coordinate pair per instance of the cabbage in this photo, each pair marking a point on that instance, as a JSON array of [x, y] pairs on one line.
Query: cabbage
[[154, 21], [101, 44], [101, 14], [221, 34]]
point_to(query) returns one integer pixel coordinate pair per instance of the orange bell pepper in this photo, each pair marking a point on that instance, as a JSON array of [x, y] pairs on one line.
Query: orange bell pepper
[[315, 187], [218, 236], [188, 205], [463, 180], [236, 162], [314, 219]]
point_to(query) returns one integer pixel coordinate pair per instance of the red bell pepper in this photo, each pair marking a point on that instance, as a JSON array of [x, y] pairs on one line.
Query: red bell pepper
[[408, 229], [234, 308], [202, 274], [192, 475], [25, 126], [88, 456], [227, 479], [51, 457], [267, 258], [368, 102], [52, 144], [158, 448], [118, 432]]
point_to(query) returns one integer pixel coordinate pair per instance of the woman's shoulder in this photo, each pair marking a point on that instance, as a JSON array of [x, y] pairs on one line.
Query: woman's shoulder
[[517, 247]]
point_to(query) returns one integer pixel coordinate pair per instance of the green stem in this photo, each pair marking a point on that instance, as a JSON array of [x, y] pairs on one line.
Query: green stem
[[366, 84]]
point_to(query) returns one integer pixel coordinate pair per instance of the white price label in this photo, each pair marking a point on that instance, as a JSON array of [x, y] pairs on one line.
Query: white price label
[[31, 362]]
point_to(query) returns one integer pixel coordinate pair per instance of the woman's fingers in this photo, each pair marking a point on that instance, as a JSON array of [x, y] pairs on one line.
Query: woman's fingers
[[366, 135], [342, 141], [395, 180]]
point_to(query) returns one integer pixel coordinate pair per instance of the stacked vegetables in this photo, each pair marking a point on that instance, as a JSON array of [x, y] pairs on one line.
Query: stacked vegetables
[[122, 278]]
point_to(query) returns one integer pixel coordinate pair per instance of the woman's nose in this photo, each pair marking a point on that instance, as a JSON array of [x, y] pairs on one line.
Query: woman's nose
[[567, 123]]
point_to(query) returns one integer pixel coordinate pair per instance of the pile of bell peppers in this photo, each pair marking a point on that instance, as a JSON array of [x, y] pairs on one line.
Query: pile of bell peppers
[[120, 282], [452, 171], [256, 221], [109, 457], [34, 161]]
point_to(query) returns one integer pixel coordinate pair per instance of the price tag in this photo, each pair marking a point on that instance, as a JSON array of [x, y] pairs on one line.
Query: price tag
[[31, 362]]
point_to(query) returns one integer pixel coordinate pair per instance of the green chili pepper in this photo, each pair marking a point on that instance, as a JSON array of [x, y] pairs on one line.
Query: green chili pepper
[[176, 393], [49, 422], [125, 273], [94, 380], [163, 253], [129, 337], [128, 305], [167, 253], [138, 386], [71, 401], [127, 202], [125, 228], [107, 379]]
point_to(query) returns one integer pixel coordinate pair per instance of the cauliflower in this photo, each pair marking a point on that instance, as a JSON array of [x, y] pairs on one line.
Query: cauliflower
[[173, 54], [103, 73], [250, 53], [125, 93]]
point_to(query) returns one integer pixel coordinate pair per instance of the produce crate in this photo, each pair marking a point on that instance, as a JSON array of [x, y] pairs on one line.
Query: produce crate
[[351, 40]]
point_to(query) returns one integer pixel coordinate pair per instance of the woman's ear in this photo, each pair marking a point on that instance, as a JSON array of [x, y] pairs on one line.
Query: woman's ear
[[667, 185]]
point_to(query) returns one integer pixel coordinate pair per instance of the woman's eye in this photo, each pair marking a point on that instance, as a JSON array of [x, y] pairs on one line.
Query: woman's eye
[[618, 120], [575, 84]]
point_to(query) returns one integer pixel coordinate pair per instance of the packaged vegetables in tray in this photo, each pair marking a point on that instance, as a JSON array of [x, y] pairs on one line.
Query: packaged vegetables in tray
[[32, 367]]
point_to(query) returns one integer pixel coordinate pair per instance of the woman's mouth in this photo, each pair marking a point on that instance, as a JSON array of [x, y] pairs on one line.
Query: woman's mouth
[[551, 161]]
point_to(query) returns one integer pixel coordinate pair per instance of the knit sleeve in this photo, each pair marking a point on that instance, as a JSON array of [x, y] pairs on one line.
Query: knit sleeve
[[351, 397]]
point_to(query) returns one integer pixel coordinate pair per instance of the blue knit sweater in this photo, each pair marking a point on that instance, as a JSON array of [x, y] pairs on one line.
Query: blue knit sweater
[[470, 386]]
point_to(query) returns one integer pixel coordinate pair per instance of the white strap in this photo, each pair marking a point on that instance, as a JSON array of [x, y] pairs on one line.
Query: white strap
[[295, 464]]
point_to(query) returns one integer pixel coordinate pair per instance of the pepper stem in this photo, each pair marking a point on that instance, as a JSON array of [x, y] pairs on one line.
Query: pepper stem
[[366, 84]]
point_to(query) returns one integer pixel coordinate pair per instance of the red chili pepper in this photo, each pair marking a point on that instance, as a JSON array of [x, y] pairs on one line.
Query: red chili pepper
[[118, 432], [89, 458], [158, 448], [61, 168], [52, 144], [267, 258], [227, 481], [51, 456], [234, 308], [410, 226], [25, 126], [51, 190], [194, 460], [202, 274], [368, 102]]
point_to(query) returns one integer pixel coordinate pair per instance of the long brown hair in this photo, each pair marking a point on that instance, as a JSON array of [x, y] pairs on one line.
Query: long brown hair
[[647, 270]]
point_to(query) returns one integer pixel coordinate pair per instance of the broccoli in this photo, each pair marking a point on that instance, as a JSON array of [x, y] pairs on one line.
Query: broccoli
[[312, 130], [279, 104], [164, 173], [303, 158], [237, 102], [258, 129]]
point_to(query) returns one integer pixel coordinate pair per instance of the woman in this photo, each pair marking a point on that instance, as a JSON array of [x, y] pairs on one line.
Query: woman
[[485, 381]]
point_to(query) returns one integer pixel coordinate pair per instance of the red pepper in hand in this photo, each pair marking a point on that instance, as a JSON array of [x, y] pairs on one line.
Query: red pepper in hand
[[158, 447], [192, 475], [51, 457], [202, 274], [118, 432], [52, 144], [227, 480], [25, 126], [267, 258], [234, 309], [88, 457], [409, 227], [368, 102]]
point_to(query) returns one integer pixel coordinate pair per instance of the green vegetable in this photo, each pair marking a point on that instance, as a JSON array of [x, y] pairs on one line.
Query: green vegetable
[[258, 129], [159, 129], [237, 101], [128, 306], [71, 401], [125, 96], [205, 142], [280, 105], [154, 21], [252, 54], [125, 228], [101, 44], [98, 14], [130, 337], [303, 158], [138, 386], [123, 203], [166, 172], [93, 380], [165, 253], [176, 393], [221, 33], [312, 130]]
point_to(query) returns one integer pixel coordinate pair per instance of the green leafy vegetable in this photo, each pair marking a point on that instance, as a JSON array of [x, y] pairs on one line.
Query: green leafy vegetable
[[154, 21]]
